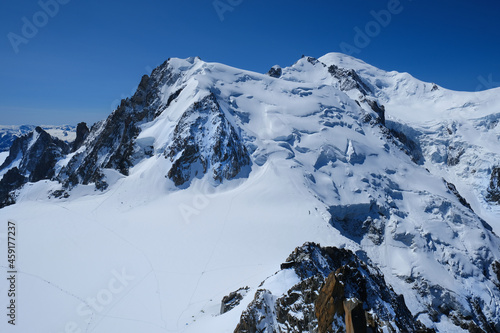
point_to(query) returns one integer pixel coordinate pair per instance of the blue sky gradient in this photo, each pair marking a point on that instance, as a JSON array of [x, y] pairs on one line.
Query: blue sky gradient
[[90, 54]]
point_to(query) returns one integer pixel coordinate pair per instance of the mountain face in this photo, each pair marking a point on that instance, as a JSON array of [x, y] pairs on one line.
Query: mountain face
[[208, 176], [32, 157], [494, 189], [337, 292], [202, 140]]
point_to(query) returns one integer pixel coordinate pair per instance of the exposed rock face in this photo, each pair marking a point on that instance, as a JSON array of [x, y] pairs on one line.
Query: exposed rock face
[[295, 311], [495, 267], [260, 315], [406, 144], [338, 293], [349, 79], [204, 141], [454, 155], [82, 132], [111, 143], [329, 304], [379, 110], [453, 189], [37, 153], [355, 318], [32, 157], [232, 300], [275, 72], [11, 181], [494, 188]]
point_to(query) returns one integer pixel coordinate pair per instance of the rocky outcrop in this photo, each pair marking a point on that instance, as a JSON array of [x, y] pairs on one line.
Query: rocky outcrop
[[233, 299], [349, 79], [455, 153], [32, 158], [260, 315], [494, 188], [337, 292], [495, 267], [11, 181], [396, 134], [295, 310], [355, 317], [36, 155], [204, 141], [275, 72], [82, 132], [329, 304], [453, 189], [111, 143], [378, 109]]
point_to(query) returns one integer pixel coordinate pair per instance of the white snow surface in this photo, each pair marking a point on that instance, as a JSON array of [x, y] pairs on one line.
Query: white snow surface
[[178, 252], [441, 119], [3, 156]]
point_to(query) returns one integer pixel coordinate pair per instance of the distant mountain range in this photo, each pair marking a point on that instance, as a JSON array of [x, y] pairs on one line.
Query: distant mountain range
[[8, 133]]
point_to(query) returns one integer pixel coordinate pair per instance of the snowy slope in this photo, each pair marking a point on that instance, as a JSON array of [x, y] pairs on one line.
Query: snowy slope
[[149, 253], [3, 156], [458, 132]]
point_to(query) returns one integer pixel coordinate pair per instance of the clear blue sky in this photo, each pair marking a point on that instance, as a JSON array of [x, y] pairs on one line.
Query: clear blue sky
[[92, 53]]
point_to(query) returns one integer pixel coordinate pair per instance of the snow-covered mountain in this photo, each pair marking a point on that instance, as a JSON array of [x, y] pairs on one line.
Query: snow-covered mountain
[[178, 213], [8, 133]]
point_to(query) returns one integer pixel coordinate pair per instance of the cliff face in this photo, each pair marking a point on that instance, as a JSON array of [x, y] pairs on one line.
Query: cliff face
[[36, 154], [32, 157], [494, 188], [204, 141]]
